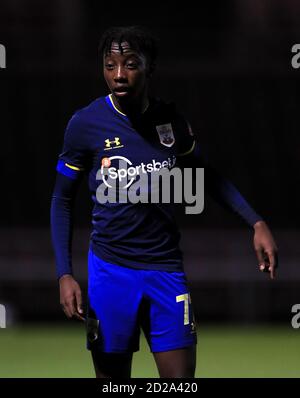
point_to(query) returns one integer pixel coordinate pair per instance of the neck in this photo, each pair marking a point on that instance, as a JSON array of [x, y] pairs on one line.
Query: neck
[[138, 106]]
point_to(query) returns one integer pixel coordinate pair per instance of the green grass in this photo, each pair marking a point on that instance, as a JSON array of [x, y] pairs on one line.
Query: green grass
[[59, 351]]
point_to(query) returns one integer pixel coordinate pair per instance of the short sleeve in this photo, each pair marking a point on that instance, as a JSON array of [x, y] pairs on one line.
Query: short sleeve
[[73, 159]]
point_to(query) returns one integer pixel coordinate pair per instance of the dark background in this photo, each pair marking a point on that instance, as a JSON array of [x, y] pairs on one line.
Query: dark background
[[227, 65]]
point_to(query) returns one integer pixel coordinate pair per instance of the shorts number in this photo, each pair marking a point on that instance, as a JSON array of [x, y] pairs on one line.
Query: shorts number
[[187, 299]]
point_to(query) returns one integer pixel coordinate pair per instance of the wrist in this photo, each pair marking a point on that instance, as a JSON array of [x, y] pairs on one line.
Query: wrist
[[65, 276], [259, 223]]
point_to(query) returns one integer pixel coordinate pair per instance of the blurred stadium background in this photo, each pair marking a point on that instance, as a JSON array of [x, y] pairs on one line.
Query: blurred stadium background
[[228, 68]]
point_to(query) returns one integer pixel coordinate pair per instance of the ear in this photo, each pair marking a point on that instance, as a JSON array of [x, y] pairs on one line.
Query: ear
[[150, 70]]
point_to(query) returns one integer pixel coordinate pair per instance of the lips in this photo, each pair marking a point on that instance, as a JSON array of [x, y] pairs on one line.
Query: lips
[[121, 89], [121, 93]]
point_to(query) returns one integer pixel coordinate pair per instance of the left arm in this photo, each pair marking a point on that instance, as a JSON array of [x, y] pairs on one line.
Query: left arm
[[224, 192]]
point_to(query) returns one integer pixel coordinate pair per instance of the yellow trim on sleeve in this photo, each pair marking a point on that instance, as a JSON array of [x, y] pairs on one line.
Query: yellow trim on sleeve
[[112, 102], [189, 151], [72, 167]]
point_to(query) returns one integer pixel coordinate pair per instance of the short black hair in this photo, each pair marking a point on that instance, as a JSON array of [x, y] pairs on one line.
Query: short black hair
[[138, 37]]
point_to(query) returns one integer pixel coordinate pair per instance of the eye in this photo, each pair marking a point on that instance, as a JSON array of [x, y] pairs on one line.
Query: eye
[[109, 65], [132, 65]]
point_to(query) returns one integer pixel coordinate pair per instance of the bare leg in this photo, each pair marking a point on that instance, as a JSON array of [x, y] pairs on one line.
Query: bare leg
[[176, 363], [112, 365]]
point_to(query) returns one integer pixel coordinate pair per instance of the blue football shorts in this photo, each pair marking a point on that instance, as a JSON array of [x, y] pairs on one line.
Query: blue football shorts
[[122, 301]]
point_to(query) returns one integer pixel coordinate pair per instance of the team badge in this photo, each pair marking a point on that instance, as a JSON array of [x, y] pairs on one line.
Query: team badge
[[166, 135]]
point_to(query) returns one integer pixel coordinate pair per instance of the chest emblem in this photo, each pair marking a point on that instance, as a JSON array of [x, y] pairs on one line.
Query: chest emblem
[[166, 135], [112, 144]]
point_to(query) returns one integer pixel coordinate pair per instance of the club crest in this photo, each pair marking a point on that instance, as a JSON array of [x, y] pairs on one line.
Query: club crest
[[166, 135]]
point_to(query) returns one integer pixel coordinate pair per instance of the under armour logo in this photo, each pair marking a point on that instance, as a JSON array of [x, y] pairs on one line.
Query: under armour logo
[[109, 144]]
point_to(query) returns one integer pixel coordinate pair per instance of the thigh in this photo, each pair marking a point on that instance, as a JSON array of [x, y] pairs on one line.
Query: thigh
[[176, 363], [114, 296], [111, 364], [170, 324]]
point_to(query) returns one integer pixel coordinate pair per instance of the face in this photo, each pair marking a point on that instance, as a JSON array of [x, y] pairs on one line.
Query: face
[[126, 73]]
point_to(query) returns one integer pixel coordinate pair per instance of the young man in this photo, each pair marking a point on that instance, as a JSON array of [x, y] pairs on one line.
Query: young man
[[136, 277]]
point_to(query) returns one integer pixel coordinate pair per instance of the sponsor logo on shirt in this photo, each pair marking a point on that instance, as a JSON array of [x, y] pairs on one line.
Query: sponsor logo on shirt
[[112, 144], [127, 172], [153, 182]]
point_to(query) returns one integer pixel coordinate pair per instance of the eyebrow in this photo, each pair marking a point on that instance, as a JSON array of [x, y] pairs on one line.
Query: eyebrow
[[126, 55]]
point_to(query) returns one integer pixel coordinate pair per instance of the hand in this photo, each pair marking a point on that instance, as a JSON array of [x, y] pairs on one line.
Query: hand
[[70, 297], [266, 249]]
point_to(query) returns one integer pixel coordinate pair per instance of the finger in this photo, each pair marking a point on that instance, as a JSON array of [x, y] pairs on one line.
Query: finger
[[63, 307], [275, 261], [272, 272], [272, 264], [271, 258], [262, 267], [261, 260], [78, 316], [66, 311], [70, 307], [79, 301]]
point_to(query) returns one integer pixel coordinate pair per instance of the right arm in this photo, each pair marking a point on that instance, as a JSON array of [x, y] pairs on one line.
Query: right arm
[[72, 162], [61, 231]]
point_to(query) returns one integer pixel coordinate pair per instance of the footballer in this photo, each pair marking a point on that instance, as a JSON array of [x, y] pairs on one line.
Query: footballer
[[136, 278]]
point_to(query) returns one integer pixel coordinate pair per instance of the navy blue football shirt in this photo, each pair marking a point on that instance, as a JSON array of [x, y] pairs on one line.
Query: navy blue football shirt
[[140, 235], [136, 235]]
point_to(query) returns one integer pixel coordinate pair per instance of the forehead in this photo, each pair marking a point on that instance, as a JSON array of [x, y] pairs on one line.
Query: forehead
[[121, 49]]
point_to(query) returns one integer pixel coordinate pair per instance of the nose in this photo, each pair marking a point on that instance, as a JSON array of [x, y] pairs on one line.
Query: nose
[[120, 75]]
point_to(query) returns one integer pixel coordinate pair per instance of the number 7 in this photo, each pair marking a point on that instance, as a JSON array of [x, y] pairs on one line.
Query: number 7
[[186, 298]]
